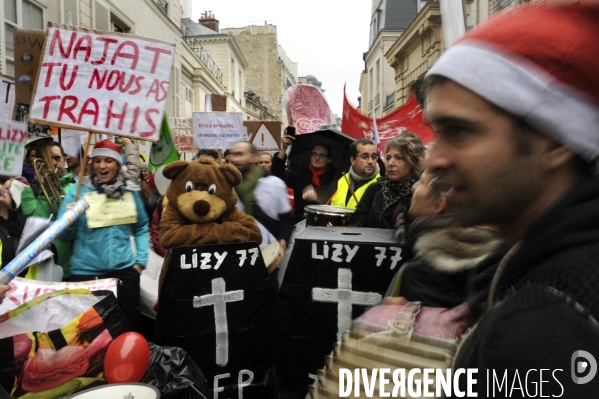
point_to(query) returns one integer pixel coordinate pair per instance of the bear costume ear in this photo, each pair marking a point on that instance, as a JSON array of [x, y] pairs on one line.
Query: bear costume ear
[[231, 173], [173, 169]]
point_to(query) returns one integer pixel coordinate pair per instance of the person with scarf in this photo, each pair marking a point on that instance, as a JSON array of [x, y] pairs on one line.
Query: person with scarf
[[444, 252], [262, 196], [363, 172], [385, 201], [308, 180], [106, 252], [28, 172]]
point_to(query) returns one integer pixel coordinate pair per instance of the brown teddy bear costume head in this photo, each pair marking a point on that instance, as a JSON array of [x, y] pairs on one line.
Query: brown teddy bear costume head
[[201, 207], [202, 190]]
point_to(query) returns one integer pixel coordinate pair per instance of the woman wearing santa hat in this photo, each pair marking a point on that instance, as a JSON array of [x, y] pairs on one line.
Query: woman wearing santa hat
[[106, 252]]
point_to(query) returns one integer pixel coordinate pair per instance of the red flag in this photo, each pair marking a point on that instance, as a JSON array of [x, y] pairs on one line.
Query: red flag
[[408, 117]]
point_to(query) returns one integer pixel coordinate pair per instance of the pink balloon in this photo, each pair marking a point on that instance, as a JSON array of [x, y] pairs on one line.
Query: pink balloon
[[127, 358]]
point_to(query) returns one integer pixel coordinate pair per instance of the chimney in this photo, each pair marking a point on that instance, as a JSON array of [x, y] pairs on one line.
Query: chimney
[[207, 19]]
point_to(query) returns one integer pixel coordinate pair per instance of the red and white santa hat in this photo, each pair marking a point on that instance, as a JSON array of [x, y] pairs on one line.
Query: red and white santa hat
[[106, 148], [538, 64]]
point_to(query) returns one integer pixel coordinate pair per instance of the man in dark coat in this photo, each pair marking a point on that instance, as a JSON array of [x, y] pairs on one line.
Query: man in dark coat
[[311, 184], [515, 106]]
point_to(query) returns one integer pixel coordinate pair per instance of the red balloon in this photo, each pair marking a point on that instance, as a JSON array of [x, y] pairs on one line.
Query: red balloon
[[127, 358]]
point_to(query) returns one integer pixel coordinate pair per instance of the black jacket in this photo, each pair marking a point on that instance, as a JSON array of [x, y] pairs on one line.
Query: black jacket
[[298, 180], [444, 255], [369, 212], [546, 305], [10, 234]]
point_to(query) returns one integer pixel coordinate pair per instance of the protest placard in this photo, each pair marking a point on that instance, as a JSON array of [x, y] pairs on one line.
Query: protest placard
[[28, 52], [7, 97], [12, 145], [218, 130], [102, 82], [182, 133], [307, 109]]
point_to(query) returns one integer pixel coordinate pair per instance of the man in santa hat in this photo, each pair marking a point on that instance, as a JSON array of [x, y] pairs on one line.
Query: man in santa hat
[[515, 107]]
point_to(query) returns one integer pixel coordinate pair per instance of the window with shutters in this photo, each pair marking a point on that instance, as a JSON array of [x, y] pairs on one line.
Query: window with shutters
[[70, 12], [17, 14], [102, 17], [188, 101]]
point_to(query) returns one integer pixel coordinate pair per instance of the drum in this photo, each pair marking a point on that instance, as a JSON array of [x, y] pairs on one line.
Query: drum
[[272, 255], [126, 390], [327, 215]]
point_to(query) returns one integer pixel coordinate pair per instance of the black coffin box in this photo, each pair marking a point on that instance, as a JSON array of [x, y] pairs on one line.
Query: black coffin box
[[216, 302], [333, 275]]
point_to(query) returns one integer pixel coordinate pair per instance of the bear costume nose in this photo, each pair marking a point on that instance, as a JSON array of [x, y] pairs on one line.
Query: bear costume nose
[[201, 207]]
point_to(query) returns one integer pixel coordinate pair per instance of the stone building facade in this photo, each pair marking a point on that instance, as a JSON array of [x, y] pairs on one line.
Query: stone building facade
[[389, 19], [268, 69], [415, 51], [222, 49]]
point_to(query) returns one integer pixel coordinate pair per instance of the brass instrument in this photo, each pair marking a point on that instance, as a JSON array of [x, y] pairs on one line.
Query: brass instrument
[[45, 174]]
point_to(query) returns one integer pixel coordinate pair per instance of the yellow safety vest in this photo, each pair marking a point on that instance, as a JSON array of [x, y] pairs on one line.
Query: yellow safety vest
[[341, 194]]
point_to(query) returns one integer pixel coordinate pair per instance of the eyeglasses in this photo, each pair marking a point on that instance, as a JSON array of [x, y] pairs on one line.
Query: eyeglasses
[[365, 157], [319, 156]]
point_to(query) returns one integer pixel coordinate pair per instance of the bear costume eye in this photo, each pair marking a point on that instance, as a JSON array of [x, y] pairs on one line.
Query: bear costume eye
[[189, 186], [212, 189]]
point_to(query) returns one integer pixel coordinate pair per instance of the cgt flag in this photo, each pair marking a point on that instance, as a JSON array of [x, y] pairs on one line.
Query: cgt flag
[[408, 117], [163, 151]]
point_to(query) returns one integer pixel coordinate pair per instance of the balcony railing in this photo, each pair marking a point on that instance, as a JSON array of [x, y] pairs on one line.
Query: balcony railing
[[163, 5], [377, 100], [204, 57], [498, 5]]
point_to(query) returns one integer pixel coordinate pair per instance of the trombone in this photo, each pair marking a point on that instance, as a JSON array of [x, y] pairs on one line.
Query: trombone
[[47, 178]]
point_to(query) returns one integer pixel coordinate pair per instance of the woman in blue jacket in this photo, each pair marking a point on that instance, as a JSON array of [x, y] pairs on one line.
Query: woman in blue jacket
[[106, 252]]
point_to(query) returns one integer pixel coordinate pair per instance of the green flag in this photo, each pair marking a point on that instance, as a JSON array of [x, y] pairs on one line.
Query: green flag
[[163, 151]]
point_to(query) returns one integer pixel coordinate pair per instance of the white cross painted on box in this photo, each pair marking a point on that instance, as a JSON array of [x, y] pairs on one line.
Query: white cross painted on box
[[219, 299], [345, 298]]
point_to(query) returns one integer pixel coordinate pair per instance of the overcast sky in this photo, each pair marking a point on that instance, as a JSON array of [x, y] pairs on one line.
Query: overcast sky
[[325, 37]]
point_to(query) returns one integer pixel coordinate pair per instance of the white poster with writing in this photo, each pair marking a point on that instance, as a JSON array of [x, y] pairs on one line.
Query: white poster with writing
[[23, 290], [12, 146], [218, 130], [102, 82], [182, 133], [7, 97]]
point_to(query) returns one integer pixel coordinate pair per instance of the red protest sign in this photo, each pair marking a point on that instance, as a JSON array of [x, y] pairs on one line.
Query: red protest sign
[[306, 107], [102, 82]]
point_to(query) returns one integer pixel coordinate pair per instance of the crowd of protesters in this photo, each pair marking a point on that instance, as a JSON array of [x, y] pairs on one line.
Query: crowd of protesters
[[498, 214]]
